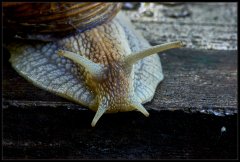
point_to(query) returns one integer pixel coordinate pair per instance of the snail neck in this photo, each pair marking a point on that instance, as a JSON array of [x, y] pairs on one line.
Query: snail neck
[[117, 87]]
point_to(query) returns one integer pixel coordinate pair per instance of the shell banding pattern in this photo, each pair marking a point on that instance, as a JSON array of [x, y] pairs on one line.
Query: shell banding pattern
[[54, 20]]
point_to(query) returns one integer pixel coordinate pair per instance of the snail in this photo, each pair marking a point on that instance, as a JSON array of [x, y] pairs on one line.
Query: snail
[[99, 61]]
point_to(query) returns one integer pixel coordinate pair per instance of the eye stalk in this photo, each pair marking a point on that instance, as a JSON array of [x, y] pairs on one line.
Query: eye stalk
[[133, 58], [96, 70]]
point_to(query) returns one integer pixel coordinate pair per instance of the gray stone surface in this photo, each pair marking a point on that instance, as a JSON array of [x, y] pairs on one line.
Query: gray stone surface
[[200, 25]]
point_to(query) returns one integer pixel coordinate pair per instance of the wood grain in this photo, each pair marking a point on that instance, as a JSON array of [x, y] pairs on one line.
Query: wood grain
[[45, 133]]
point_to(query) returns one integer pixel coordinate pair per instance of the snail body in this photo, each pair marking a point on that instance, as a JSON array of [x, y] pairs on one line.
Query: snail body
[[109, 68]]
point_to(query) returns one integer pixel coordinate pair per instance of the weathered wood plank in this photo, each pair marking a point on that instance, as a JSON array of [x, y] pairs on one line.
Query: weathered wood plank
[[44, 133], [198, 80], [195, 80]]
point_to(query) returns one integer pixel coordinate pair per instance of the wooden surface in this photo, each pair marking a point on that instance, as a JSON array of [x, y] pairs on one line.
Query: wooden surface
[[195, 81], [196, 100], [201, 85], [45, 133]]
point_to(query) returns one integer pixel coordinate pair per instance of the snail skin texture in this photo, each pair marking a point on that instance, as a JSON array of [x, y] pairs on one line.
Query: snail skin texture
[[109, 68]]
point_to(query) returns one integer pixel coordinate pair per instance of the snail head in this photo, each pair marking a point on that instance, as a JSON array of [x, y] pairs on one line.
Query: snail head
[[112, 83]]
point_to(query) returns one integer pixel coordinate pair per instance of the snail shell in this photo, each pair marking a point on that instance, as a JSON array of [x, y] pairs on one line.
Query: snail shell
[[49, 21], [108, 68]]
